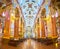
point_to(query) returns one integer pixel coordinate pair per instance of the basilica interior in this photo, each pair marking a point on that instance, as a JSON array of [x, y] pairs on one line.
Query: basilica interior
[[30, 24]]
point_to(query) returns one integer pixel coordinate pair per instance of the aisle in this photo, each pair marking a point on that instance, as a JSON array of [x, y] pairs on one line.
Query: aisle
[[30, 44]]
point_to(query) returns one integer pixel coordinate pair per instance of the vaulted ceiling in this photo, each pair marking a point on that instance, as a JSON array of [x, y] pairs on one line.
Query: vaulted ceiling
[[30, 9]]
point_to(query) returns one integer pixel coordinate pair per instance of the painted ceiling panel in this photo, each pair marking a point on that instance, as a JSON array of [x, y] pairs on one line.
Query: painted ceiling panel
[[30, 9]]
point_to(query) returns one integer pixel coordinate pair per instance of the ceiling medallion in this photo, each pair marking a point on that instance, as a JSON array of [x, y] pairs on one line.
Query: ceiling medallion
[[30, 5]]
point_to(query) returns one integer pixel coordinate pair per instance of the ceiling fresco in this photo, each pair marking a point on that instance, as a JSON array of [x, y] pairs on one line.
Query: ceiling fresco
[[30, 9]]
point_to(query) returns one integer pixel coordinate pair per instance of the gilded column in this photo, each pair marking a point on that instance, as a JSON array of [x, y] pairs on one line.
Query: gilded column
[[16, 25], [7, 25], [38, 29], [42, 28], [54, 29]]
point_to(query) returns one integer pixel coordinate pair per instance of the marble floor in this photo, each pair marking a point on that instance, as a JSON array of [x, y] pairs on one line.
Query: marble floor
[[30, 44]]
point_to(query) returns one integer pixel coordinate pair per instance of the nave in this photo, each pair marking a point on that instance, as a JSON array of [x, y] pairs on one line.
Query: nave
[[31, 44]]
